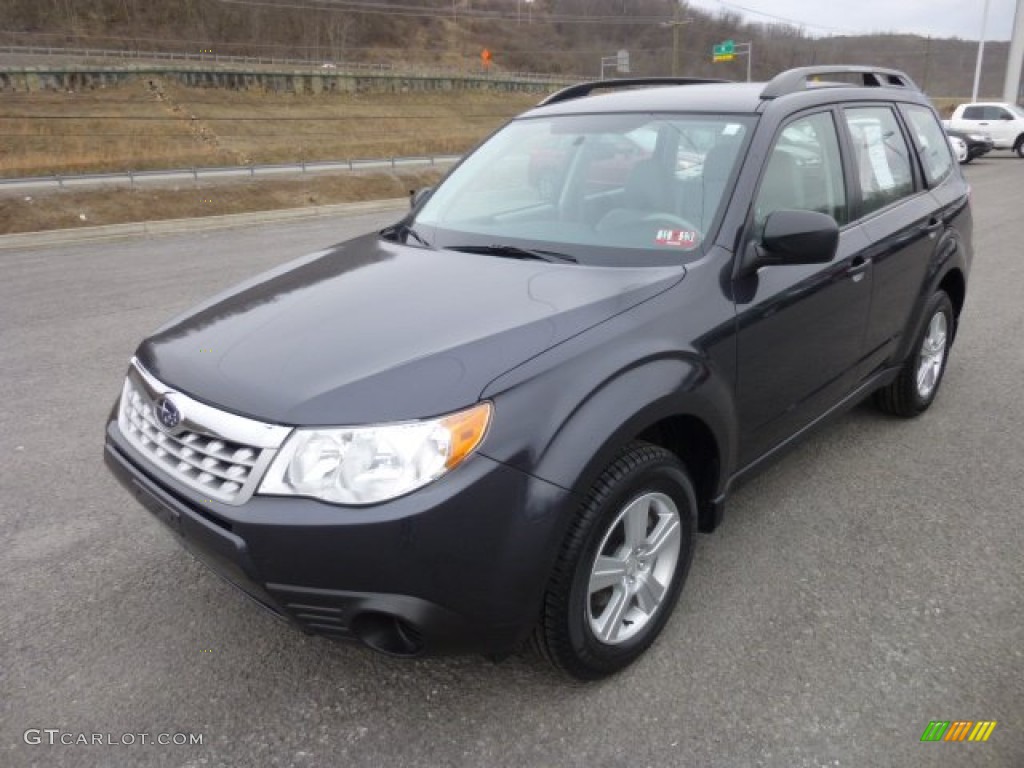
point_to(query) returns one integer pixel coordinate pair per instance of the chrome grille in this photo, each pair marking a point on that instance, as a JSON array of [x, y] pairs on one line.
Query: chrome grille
[[217, 453]]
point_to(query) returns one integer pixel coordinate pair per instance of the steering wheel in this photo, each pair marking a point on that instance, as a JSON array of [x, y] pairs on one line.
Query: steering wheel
[[669, 221]]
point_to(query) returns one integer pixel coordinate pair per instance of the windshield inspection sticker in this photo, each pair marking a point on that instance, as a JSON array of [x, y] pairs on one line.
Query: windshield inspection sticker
[[687, 239]]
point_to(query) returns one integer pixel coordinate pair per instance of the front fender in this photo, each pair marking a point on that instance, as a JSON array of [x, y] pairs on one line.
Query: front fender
[[583, 430]]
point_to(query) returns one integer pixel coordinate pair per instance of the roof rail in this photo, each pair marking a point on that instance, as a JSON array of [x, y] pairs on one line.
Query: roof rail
[[585, 89], [795, 80]]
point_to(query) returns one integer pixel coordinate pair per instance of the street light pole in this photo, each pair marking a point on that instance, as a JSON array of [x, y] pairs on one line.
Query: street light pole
[[981, 53], [1011, 86]]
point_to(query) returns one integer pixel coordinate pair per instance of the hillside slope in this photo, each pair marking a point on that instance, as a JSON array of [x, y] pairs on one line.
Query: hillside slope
[[553, 36]]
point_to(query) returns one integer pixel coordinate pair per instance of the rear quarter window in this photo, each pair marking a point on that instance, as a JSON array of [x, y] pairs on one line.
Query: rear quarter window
[[932, 144]]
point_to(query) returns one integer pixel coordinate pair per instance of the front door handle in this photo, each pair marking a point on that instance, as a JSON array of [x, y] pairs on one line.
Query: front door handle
[[858, 267]]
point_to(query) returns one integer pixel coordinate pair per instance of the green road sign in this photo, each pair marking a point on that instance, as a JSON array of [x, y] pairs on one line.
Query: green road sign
[[724, 51]]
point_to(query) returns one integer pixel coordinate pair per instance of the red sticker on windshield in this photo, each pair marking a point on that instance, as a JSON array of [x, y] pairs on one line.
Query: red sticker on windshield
[[687, 239]]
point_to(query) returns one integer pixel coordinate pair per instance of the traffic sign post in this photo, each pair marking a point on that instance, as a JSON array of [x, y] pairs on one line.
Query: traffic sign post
[[620, 61], [730, 49]]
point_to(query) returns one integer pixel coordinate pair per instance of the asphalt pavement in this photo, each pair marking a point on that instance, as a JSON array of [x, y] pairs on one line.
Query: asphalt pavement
[[868, 583]]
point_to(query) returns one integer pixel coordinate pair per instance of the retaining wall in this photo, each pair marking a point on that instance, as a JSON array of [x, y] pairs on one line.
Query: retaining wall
[[80, 78]]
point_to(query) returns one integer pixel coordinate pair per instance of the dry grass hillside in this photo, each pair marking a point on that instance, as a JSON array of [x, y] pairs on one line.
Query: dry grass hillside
[[148, 124]]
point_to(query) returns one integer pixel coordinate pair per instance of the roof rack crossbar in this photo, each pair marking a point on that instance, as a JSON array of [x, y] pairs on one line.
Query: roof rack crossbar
[[795, 80], [585, 89]]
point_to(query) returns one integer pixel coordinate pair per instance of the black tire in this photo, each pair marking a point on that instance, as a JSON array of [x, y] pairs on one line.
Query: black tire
[[1019, 146], [565, 635], [905, 397]]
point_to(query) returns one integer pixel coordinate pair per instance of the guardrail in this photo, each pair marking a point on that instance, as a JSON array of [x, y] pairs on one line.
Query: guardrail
[[320, 65], [132, 178]]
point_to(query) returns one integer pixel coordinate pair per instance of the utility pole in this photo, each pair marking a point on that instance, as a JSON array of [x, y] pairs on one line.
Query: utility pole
[[676, 23], [927, 63]]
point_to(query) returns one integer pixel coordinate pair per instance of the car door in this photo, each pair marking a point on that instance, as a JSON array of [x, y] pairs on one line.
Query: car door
[[800, 328], [971, 120], [998, 123], [897, 214]]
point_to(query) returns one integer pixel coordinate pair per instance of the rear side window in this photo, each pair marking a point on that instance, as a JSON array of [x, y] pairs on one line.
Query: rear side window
[[932, 144], [881, 156], [804, 172]]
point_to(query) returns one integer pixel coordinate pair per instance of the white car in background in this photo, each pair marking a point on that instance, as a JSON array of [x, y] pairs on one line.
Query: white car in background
[[959, 147], [1003, 121]]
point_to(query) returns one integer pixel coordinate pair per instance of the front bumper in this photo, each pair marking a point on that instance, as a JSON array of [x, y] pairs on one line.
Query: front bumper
[[977, 149], [458, 566]]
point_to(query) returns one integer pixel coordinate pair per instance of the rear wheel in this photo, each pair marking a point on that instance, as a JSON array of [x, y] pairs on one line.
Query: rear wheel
[[622, 565], [918, 383]]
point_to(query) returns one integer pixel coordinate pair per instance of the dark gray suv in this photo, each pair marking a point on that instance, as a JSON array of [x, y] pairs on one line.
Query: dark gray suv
[[507, 416]]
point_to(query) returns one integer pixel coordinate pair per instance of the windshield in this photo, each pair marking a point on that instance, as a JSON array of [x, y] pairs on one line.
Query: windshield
[[615, 189]]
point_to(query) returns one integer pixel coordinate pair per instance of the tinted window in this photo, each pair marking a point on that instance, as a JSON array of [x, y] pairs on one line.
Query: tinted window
[[931, 143], [804, 172], [881, 156], [974, 113]]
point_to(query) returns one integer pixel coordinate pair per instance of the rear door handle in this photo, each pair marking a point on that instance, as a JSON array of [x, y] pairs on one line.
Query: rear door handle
[[933, 226]]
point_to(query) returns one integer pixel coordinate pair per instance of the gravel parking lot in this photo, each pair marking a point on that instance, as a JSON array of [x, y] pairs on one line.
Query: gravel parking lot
[[866, 584]]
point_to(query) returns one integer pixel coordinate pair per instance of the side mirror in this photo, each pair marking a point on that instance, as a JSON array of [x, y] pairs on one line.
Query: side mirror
[[794, 237], [417, 196]]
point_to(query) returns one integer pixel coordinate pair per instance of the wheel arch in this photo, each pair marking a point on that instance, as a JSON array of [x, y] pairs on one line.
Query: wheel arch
[[691, 440], [683, 424], [955, 286]]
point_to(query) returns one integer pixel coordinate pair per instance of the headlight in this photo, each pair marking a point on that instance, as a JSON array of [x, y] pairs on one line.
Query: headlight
[[367, 465]]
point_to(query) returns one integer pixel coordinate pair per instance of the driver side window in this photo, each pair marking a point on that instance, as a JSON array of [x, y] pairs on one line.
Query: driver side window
[[804, 172]]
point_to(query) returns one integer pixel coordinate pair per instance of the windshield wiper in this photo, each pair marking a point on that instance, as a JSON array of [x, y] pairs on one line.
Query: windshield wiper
[[405, 231], [515, 252]]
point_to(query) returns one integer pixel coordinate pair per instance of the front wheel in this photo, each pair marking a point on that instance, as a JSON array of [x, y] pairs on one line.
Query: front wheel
[[918, 383], [622, 565]]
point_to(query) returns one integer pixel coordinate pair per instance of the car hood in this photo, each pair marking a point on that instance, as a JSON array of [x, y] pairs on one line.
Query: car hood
[[372, 331]]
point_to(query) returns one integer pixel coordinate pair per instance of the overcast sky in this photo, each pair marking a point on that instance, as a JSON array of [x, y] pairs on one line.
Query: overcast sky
[[939, 18]]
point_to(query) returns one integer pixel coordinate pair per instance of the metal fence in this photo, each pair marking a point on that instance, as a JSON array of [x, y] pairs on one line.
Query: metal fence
[[132, 178]]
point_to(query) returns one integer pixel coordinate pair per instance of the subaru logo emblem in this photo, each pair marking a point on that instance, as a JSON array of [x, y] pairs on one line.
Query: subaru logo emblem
[[167, 413]]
